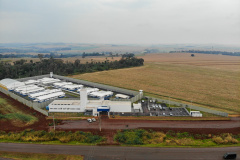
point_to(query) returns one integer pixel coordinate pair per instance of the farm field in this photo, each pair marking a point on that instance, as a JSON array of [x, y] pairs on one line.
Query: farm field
[[207, 80]]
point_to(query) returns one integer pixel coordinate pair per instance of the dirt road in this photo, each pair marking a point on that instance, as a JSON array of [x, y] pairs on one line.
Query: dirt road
[[232, 126]]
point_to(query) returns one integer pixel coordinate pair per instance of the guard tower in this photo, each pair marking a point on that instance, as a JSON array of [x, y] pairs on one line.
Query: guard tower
[[83, 98]]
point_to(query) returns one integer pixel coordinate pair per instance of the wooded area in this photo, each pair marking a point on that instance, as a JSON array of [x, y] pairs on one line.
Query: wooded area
[[22, 69]]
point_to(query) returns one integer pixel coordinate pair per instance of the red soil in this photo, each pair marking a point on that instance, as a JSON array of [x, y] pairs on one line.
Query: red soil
[[41, 124]]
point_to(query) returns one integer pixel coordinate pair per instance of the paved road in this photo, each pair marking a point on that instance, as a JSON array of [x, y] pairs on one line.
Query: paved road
[[124, 153]]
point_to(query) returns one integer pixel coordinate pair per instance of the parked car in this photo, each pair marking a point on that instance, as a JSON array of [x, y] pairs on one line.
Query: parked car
[[160, 106], [89, 120], [229, 155], [93, 119], [170, 108], [170, 114], [163, 114]]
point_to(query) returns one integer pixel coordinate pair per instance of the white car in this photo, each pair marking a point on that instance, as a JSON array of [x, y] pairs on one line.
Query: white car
[[163, 114], [89, 120], [93, 119]]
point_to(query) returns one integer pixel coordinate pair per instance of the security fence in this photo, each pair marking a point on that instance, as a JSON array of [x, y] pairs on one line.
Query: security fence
[[224, 114], [35, 105], [34, 78], [97, 85]]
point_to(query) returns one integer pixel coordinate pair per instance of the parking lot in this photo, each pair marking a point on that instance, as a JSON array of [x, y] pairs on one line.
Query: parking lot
[[161, 109]]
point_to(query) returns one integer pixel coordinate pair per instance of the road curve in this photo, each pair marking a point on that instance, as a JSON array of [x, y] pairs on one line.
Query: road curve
[[124, 153]]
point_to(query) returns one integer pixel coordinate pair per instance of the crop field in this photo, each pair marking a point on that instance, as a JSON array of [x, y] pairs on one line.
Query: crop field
[[207, 80]]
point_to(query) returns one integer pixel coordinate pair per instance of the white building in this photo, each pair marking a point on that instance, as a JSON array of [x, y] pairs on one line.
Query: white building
[[10, 84], [84, 105], [196, 114], [122, 96]]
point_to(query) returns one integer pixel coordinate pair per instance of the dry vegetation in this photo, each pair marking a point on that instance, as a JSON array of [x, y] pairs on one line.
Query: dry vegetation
[[70, 59], [210, 80]]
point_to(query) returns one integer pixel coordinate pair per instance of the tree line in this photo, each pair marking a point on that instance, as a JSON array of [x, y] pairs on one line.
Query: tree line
[[209, 52], [22, 68]]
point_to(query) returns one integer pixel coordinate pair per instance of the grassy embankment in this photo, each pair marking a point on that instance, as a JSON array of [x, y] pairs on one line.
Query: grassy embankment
[[137, 137], [146, 138], [211, 81], [55, 137], [38, 156], [9, 112]]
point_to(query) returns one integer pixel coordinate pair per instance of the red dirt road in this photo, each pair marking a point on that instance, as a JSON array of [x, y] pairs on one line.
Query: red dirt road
[[213, 127]]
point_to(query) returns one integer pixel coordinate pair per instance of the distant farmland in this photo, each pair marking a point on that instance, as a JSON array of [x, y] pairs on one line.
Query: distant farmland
[[210, 80]]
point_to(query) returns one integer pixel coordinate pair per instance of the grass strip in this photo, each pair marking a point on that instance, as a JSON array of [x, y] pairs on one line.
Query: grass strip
[[38, 156]]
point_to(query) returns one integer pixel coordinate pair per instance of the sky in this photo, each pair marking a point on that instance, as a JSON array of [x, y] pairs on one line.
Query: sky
[[120, 21]]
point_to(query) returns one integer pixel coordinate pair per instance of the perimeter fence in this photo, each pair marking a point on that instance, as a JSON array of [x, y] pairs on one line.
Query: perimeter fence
[[35, 105]]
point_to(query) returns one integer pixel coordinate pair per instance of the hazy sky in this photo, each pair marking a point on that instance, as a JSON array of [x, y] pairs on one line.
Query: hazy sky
[[120, 21]]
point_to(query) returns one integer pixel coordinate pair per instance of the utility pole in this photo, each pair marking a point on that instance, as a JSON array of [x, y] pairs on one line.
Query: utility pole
[[53, 122], [191, 106], [168, 101], [100, 121]]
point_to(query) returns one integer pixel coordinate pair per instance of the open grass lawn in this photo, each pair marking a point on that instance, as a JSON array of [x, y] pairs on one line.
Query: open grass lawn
[[210, 80], [38, 156]]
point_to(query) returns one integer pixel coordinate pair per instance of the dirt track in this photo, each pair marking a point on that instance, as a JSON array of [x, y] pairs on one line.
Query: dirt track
[[108, 125]]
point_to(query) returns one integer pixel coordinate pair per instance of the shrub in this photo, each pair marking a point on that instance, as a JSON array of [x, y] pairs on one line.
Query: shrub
[[65, 139], [218, 139]]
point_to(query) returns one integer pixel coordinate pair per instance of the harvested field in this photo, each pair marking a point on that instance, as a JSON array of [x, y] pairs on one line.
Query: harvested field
[[70, 59], [212, 81], [19, 123]]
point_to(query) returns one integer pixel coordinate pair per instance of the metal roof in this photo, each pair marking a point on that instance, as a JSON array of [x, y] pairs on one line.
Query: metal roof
[[11, 83]]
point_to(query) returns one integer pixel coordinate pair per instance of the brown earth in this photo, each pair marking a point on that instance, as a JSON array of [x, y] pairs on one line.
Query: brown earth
[[8, 125]]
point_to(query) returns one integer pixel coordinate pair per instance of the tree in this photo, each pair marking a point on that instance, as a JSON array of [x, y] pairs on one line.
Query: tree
[[40, 56], [83, 55]]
